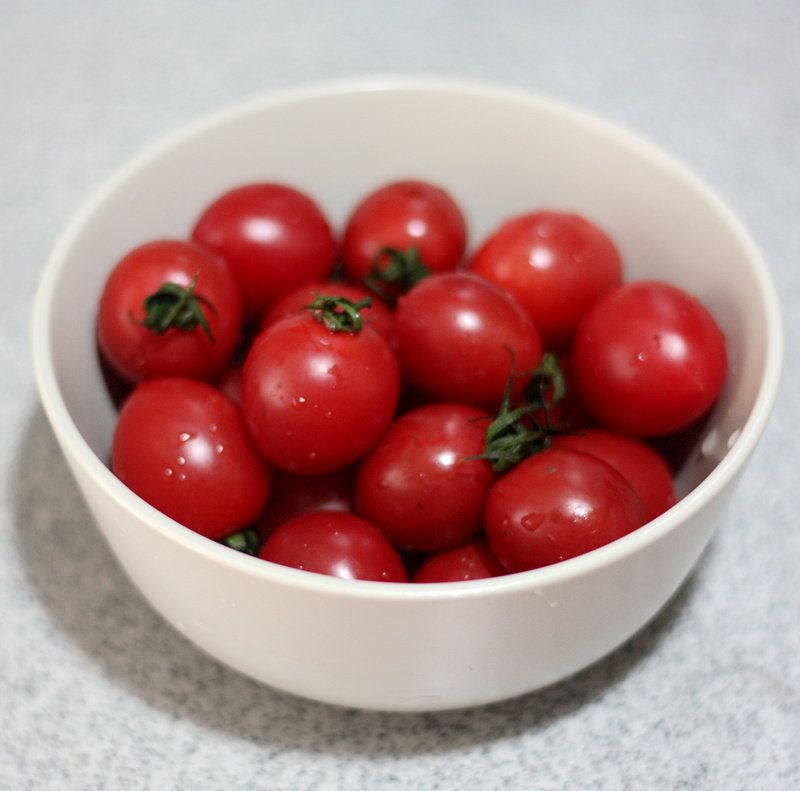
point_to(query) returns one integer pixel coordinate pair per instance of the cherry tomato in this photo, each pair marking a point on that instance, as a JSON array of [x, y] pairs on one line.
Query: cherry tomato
[[182, 446], [335, 543], [169, 308], [403, 215], [555, 505], [648, 359], [377, 315], [641, 465], [293, 495], [471, 561], [459, 337], [556, 264], [317, 399], [274, 237], [419, 484]]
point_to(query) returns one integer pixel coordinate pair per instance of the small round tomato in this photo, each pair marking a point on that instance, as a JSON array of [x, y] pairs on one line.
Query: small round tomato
[[377, 314], [555, 505], [182, 446], [421, 485], [471, 561], [648, 359], [336, 543], [316, 398], [274, 237], [459, 338], [556, 264], [293, 495], [400, 217], [169, 308], [640, 464]]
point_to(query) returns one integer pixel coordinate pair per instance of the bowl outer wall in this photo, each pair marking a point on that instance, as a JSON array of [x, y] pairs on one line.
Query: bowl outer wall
[[445, 646]]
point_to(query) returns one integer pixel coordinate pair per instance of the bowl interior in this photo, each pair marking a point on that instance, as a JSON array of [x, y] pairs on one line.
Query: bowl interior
[[498, 152]]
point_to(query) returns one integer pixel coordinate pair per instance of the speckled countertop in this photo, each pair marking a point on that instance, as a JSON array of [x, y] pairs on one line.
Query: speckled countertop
[[98, 693]]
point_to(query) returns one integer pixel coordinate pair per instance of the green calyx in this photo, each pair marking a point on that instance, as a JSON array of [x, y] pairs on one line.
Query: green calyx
[[339, 314], [174, 306], [401, 269]]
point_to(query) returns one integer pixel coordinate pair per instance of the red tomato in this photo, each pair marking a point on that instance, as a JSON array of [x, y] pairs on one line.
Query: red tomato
[[293, 495], [400, 216], [182, 446], [471, 561], [648, 359], [555, 264], [418, 484], [457, 336], [555, 505], [335, 543], [378, 315], [169, 308], [641, 465], [274, 237], [317, 399]]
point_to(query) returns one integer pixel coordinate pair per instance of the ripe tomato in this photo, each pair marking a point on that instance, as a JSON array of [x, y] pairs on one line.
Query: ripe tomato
[[458, 338], [555, 505], [556, 264], [317, 399], [648, 359], [293, 495], [169, 308], [641, 465], [471, 561], [419, 486], [274, 237], [377, 315], [182, 446], [335, 543], [403, 215]]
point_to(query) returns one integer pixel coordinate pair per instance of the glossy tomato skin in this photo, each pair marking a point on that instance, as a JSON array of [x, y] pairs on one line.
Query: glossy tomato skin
[[555, 505], [471, 561], [136, 352], [182, 446], [457, 335], [314, 399], [648, 359], [293, 495], [419, 484], [378, 315], [335, 543], [274, 237], [401, 215], [556, 264], [641, 465]]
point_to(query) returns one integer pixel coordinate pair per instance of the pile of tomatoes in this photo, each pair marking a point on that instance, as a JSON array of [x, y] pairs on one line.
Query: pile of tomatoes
[[383, 404]]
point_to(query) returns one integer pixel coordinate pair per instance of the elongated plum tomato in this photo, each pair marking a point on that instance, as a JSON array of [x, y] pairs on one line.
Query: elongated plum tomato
[[556, 505], [317, 399], [471, 561], [335, 543], [273, 236], [459, 337], [420, 484], [555, 263], [169, 308], [640, 464], [648, 359], [404, 215], [182, 446]]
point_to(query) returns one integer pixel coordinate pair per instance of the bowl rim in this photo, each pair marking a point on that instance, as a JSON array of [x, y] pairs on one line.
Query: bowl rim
[[725, 470]]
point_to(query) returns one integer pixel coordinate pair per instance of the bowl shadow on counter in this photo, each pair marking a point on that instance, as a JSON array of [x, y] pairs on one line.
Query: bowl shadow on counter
[[89, 598]]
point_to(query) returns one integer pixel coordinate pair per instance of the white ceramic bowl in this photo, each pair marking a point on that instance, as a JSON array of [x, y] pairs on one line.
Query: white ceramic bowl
[[393, 646]]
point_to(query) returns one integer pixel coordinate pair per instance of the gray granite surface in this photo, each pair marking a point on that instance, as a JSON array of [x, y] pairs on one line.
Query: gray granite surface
[[96, 692]]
